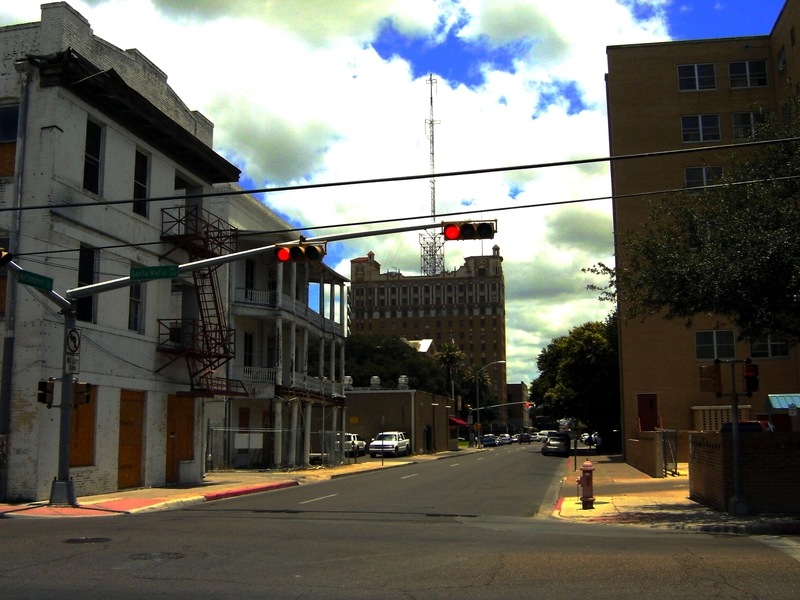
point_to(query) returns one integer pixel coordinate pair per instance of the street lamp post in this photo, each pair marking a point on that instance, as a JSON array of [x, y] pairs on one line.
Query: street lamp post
[[478, 398]]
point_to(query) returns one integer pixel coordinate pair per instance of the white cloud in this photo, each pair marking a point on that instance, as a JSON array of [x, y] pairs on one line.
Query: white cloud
[[298, 94]]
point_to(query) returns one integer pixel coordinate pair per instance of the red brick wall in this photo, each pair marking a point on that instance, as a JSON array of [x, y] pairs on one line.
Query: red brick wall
[[769, 470]]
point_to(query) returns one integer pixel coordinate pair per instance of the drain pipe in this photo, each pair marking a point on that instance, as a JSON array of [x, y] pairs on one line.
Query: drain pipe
[[25, 69]]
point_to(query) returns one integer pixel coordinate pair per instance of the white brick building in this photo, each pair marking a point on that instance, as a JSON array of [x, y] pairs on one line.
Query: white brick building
[[88, 133]]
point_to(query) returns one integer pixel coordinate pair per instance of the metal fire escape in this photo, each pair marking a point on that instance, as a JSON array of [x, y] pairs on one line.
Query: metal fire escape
[[206, 342]]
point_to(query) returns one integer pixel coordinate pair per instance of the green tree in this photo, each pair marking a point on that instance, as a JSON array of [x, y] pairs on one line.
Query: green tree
[[452, 360], [389, 357], [731, 249], [579, 375]]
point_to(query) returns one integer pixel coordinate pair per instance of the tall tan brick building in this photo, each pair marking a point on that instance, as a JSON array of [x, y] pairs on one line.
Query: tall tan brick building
[[675, 96], [466, 305]]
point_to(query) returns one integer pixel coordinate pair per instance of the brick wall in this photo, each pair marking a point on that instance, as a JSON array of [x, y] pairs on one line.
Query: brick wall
[[768, 470]]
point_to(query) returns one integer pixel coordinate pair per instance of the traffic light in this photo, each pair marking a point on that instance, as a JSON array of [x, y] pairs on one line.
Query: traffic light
[[81, 393], [5, 257], [469, 230], [711, 379], [299, 252], [44, 392], [750, 378]]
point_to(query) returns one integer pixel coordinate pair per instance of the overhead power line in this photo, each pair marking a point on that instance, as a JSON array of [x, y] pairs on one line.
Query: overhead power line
[[400, 178]]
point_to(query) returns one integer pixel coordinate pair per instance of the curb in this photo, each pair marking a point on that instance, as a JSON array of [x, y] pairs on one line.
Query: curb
[[248, 490]]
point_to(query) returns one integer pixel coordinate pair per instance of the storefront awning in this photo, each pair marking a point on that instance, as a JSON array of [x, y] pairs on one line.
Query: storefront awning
[[783, 401], [456, 421]]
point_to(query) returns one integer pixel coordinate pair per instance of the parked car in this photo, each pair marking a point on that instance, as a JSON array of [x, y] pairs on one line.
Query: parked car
[[558, 443], [542, 435], [503, 439], [489, 440], [524, 438], [394, 443], [354, 441]]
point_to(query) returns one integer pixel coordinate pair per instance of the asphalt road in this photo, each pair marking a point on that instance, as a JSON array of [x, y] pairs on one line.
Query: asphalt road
[[456, 528]]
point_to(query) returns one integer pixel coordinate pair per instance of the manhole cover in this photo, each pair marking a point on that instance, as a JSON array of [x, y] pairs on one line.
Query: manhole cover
[[87, 540], [157, 556]]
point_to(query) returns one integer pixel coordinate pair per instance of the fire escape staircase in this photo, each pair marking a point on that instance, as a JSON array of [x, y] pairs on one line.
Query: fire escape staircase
[[207, 343]]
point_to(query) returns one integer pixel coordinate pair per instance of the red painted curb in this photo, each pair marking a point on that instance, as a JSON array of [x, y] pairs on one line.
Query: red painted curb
[[249, 490]]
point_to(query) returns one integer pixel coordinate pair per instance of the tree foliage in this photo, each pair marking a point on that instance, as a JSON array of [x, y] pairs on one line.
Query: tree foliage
[[389, 357], [579, 375], [730, 250]]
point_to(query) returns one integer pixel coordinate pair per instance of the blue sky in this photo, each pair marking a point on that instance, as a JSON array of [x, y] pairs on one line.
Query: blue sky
[[306, 91], [722, 18]]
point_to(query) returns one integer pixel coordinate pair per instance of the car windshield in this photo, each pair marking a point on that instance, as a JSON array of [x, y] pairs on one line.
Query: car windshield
[[386, 436]]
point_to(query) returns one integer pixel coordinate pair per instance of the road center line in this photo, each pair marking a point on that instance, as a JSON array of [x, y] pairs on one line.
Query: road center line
[[409, 476], [320, 498], [454, 465]]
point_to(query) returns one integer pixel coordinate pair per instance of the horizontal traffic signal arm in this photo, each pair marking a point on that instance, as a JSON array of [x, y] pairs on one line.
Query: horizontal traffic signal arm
[[469, 230]]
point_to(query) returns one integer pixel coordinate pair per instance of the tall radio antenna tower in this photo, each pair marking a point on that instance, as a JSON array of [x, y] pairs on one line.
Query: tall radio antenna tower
[[431, 242]]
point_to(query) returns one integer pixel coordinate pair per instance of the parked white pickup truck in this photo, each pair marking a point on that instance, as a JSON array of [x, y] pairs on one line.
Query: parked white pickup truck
[[351, 441]]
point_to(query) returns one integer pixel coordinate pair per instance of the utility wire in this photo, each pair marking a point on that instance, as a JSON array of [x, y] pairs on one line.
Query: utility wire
[[311, 186]]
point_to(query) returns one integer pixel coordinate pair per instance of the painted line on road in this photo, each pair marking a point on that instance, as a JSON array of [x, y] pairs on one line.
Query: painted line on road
[[455, 465], [320, 498], [409, 476]]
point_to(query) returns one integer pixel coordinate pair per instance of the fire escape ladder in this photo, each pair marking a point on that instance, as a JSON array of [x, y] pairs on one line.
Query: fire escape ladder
[[212, 343]]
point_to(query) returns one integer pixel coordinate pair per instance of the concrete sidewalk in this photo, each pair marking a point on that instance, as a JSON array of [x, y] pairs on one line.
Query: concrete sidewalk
[[626, 496], [623, 496]]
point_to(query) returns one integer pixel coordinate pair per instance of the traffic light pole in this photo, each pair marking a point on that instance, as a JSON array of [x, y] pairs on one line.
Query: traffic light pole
[[737, 505], [62, 491]]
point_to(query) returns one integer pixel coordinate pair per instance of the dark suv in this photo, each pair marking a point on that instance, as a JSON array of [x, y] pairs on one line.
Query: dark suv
[[557, 443]]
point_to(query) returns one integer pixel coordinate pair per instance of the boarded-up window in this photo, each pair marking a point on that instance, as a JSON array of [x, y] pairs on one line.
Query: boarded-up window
[[9, 115], [82, 431]]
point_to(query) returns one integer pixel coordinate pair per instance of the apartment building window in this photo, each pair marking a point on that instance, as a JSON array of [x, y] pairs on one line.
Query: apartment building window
[[744, 124], [141, 182], [136, 308], [92, 160], [748, 73], [249, 349], [769, 347], [714, 344], [87, 275], [697, 177], [700, 128], [692, 78], [9, 115]]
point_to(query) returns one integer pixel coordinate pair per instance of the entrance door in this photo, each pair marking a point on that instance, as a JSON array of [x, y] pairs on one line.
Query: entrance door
[[180, 435], [648, 411], [131, 431]]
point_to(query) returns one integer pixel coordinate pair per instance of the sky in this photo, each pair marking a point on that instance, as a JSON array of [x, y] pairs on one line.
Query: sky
[[327, 91]]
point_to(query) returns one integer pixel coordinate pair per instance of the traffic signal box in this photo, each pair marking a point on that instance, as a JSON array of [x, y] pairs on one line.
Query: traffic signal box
[[711, 379], [750, 372], [81, 393], [469, 230], [44, 392], [5, 257], [299, 252]]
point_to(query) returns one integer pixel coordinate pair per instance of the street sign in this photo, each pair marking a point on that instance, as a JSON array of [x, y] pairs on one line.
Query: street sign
[[40, 282], [159, 272], [73, 363]]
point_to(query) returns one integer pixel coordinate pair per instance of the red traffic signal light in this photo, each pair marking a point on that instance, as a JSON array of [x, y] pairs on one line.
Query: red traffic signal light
[[750, 378], [469, 230], [299, 252]]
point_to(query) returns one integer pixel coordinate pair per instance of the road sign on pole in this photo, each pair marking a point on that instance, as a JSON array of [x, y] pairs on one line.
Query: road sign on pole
[[40, 282], [158, 272]]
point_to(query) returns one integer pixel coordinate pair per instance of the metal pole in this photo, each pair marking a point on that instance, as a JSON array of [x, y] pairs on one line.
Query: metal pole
[[62, 491], [737, 505]]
